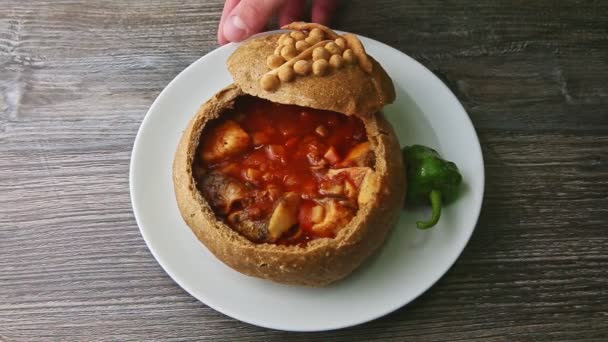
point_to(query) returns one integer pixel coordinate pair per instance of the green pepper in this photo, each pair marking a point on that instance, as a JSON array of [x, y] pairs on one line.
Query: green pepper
[[430, 179]]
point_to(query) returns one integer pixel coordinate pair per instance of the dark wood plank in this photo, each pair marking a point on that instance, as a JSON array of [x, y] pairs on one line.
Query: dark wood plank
[[77, 77]]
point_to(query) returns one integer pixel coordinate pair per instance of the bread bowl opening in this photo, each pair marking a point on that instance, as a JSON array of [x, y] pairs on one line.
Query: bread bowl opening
[[283, 174]]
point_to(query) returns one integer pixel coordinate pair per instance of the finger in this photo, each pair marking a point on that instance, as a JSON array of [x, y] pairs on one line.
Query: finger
[[249, 17], [291, 11], [228, 6], [322, 10]]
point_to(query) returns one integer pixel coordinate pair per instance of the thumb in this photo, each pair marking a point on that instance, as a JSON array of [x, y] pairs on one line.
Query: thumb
[[249, 17]]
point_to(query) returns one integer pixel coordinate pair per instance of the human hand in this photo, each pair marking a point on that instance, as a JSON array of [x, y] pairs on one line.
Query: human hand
[[243, 18]]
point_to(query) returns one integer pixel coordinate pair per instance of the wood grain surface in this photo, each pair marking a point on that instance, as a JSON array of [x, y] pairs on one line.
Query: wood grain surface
[[76, 78]]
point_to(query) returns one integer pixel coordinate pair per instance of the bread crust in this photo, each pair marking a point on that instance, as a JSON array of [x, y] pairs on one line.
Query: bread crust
[[321, 261], [349, 90]]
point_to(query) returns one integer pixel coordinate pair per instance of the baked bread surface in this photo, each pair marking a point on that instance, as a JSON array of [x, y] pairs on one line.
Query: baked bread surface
[[349, 90]]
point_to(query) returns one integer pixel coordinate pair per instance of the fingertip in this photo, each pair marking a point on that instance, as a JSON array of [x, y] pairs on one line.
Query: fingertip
[[249, 17], [220, 35], [235, 29], [221, 39], [229, 5]]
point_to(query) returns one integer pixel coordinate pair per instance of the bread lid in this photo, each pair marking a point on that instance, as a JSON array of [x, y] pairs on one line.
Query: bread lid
[[312, 66]]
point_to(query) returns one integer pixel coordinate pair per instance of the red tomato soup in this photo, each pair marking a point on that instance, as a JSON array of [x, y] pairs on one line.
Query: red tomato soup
[[258, 152]]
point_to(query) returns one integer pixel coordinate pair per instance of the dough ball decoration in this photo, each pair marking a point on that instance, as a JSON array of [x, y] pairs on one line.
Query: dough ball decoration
[[312, 49], [336, 61], [320, 53], [349, 56], [302, 67], [286, 74], [274, 61], [301, 45], [333, 48], [320, 67]]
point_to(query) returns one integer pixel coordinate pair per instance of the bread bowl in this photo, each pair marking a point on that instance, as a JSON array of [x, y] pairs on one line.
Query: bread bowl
[[299, 180]]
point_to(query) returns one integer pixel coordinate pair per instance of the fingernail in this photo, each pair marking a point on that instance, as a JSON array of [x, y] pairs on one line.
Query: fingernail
[[235, 29]]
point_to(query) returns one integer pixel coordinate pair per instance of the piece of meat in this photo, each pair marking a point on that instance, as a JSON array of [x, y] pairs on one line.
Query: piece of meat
[[222, 191], [253, 230], [225, 140], [360, 185], [355, 174], [344, 182], [331, 188], [335, 216]]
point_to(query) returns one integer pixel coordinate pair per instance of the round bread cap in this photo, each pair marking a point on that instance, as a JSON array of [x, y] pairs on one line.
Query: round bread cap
[[312, 66]]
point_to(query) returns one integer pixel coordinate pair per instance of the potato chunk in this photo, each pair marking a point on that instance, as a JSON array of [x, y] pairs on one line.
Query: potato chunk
[[226, 140], [284, 216], [317, 213]]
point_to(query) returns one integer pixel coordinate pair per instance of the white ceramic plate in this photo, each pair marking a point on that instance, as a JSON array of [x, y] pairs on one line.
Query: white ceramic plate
[[411, 261]]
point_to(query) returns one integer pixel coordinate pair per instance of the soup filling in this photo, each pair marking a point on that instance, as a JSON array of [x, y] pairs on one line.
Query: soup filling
[[281, 173]]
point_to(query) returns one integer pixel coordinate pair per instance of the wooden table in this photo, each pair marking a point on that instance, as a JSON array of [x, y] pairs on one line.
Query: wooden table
[[76, 78]]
